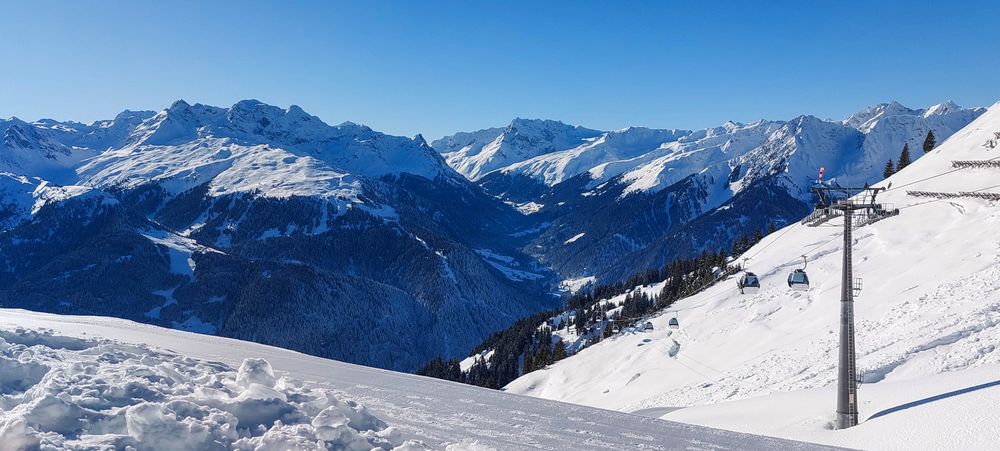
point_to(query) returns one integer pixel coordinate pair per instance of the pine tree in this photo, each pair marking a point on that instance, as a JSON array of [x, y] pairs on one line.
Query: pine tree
[[529, 363], [560, 352], [904, 158], [930, 141], [889, 170]]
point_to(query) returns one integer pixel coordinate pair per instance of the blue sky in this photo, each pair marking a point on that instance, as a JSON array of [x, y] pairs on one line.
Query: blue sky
[[437, 67]]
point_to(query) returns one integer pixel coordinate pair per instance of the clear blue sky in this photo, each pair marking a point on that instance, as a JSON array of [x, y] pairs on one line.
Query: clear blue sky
[[408, 67]]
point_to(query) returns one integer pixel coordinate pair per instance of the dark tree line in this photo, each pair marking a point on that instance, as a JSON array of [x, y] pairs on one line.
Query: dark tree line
[[904, 156], [530, 345]]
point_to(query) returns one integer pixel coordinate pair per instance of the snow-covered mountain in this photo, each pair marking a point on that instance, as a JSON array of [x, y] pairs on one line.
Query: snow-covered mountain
[[926, 318], [478, 153], [224, 145], [261, 223], [652, 159], [642, 196]]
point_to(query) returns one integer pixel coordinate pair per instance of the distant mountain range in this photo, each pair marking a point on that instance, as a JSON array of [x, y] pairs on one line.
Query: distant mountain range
[[618, 202], [263, 223]]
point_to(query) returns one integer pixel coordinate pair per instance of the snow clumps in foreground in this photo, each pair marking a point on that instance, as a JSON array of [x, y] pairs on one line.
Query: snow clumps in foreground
[[60, 392]]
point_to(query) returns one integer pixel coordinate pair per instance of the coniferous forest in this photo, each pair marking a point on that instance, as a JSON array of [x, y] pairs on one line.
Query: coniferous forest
[[529, 344]]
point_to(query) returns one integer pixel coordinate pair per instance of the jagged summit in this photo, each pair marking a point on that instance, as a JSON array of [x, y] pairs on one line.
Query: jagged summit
[[865, 118], [942, 108], [475, 154]]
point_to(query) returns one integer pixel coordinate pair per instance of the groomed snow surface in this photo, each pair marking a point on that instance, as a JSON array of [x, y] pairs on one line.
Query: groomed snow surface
[[70, 382], [927, 327]]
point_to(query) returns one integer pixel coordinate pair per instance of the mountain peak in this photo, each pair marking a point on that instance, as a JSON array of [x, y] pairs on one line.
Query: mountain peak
[[129, 114], [869, 113], [179, 105], [529, 125], [249, 103], [942, 108]]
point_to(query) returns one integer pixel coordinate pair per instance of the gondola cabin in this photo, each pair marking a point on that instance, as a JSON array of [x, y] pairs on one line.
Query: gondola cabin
[[798, 280], [749, 283]]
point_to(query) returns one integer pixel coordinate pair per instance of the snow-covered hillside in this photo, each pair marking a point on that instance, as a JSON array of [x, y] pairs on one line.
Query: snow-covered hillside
[[928, 324], [91, 383]]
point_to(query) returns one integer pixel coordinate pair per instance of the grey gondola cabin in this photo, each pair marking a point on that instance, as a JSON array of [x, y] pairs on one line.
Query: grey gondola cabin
[[749, 283], [798, 280]]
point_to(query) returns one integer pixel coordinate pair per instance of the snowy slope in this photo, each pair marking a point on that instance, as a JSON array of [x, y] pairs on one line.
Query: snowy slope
[[100, 383], [27, 149], [928, 315]]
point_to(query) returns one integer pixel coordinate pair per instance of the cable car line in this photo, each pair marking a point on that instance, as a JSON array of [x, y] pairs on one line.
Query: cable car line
[[893, 188]]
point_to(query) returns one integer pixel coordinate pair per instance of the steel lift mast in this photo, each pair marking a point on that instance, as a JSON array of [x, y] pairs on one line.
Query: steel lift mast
[[847, 201]]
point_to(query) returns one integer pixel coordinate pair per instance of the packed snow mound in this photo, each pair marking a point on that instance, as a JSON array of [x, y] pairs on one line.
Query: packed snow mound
[[60, 392], [930, 306]]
